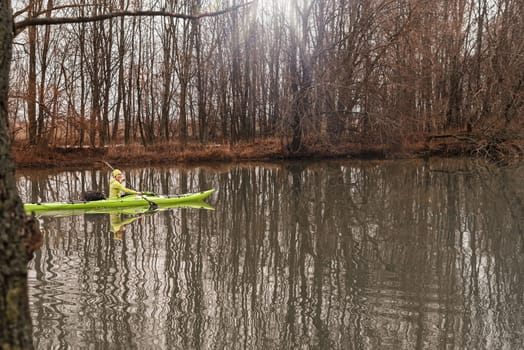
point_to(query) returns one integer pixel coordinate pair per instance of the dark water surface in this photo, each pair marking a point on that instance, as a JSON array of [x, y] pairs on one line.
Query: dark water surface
[[331, 255]]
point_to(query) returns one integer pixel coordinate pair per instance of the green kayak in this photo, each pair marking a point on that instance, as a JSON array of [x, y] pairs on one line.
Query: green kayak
[[133, 201]]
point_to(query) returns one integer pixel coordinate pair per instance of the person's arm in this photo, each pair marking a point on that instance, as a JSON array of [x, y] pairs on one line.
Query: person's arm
[[124, 189], [129, 191]]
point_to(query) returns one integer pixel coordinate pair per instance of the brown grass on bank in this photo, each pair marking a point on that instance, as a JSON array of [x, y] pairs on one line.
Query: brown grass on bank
[[271, 149], [166, 153], [171, 153], [44, 156], [260, 150]]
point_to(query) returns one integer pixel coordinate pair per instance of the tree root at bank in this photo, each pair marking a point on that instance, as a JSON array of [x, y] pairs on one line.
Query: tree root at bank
[[496, 148]]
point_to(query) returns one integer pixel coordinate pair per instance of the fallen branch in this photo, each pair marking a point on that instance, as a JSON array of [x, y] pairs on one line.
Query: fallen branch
[[21, 25], [460, 137]]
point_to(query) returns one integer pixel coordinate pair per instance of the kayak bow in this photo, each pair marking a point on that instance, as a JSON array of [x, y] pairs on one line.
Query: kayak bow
[[119, 203]]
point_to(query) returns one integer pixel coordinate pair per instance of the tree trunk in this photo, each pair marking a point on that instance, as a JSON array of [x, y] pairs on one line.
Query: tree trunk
[[120, 88], [184, 58], [95, 90], [183, 111], [296, 127], [41, 134], [81, 133], [167, 79], [15, 320], [108, 72], [454, 111], [236, 81], [31, 82], [201, 73]]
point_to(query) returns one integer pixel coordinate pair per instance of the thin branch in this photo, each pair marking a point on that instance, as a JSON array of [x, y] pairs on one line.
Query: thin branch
[[21, 25], [56, 8], [25, 9]]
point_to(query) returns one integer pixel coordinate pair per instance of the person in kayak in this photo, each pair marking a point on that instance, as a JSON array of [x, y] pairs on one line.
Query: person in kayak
[[116, 186]]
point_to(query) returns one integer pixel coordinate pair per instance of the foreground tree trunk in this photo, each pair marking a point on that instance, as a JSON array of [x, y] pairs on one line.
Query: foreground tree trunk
[[15, 321]]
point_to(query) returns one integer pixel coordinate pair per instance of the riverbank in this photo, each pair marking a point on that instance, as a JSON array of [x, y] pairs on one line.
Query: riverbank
[[260, 150]]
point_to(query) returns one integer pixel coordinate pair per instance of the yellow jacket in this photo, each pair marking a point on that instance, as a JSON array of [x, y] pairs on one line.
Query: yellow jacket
[[115, 188]]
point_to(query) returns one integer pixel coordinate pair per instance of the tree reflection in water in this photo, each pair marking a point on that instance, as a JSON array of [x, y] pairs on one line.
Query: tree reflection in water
[[343, 255]]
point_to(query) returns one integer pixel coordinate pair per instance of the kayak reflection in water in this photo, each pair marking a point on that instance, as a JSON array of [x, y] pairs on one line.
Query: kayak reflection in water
[[116, 186], [118, 223]]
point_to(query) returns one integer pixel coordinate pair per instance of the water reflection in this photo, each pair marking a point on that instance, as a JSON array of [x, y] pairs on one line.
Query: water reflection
[[339, 255], [118, 222]]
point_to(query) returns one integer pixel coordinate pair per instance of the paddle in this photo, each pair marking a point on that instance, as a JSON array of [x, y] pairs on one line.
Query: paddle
[[152, 205]]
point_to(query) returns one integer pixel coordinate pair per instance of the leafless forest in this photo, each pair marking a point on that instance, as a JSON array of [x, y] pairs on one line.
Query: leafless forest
[[328, 71]]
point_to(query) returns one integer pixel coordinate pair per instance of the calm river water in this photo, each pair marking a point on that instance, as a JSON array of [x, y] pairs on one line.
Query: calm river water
[[331, 255]]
